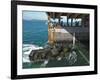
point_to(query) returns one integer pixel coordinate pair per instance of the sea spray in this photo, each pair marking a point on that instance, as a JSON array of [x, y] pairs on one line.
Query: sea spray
[[27, 48]]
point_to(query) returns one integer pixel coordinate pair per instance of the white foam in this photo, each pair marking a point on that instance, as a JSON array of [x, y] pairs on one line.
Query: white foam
[[27, 48]]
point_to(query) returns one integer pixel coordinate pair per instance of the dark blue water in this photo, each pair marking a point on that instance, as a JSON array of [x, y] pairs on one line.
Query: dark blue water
[[35, 32]]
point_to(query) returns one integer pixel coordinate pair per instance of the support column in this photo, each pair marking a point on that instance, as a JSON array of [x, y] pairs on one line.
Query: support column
[[83, 21], [49, 33], [67, 22], [59, 19], [53, 30], [71, 22]]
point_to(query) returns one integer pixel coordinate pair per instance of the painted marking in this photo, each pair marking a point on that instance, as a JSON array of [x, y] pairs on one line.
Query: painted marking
[[84, 57]]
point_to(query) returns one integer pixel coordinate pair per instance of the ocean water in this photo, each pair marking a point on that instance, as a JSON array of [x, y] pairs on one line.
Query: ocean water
[[35, 36], [35, 32]]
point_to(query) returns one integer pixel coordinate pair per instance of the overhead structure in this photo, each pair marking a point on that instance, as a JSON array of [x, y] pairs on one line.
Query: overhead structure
[[71, 18]]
